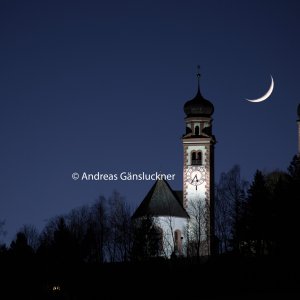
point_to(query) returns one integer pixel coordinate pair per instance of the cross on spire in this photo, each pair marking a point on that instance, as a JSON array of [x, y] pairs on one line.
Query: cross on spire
[[198, 77]]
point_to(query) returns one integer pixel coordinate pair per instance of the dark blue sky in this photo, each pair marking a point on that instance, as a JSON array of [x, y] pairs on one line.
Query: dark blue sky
[[100, 86]]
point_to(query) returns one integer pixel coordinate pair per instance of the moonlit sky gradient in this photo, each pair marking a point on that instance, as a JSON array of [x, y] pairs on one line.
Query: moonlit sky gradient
[[100, 86]]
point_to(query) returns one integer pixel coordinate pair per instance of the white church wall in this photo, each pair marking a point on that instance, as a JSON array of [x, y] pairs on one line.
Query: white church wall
[[169, 225]]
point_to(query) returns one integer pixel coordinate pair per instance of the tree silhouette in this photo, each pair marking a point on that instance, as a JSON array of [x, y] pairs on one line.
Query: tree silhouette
[[290, 207], [98, 230], [80, 225], [32, 235], [20, 249], [257, 216], [57, 244], [198, 232], [230, 197], [147, 239], [119, 229]]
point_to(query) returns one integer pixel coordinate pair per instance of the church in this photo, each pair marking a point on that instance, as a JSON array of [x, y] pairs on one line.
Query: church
[[185, 219]]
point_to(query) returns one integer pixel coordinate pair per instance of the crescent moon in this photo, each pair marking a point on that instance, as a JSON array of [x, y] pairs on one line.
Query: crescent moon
[[266, 95]]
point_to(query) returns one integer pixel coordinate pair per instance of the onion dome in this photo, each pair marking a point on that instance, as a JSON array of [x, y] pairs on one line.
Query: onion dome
[[198, 106]]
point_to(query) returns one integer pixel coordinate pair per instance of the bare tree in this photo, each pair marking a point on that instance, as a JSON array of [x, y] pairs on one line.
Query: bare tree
[[97, 233], [169, 243], [222, 222], [78, 222], [32, 236], [47, 234], [199, 228], [100, 228], [89, 227], [167, 222], [119, 234]]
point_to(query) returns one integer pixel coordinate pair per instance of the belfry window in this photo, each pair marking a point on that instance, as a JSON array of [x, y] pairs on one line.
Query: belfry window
[[197, 158], [193, 158], [197, 130]]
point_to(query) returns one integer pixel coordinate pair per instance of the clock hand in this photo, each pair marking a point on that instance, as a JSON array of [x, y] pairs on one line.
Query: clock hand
[[194, 178]]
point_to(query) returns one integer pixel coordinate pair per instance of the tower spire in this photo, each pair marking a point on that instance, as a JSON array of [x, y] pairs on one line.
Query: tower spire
[[198, 77]]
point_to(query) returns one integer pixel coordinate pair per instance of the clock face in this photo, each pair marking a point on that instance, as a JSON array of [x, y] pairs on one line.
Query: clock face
[[195, 175]]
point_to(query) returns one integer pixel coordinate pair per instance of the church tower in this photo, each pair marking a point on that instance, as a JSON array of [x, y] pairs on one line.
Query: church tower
[[198, 173]]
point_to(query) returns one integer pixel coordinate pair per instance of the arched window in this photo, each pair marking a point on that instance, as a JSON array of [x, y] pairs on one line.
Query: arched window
[[178, 241], [199, 158], [193, 157], [197, 130]]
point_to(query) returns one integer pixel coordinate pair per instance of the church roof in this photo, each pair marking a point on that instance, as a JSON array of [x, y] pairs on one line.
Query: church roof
[[179, 195], [161, 201]]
